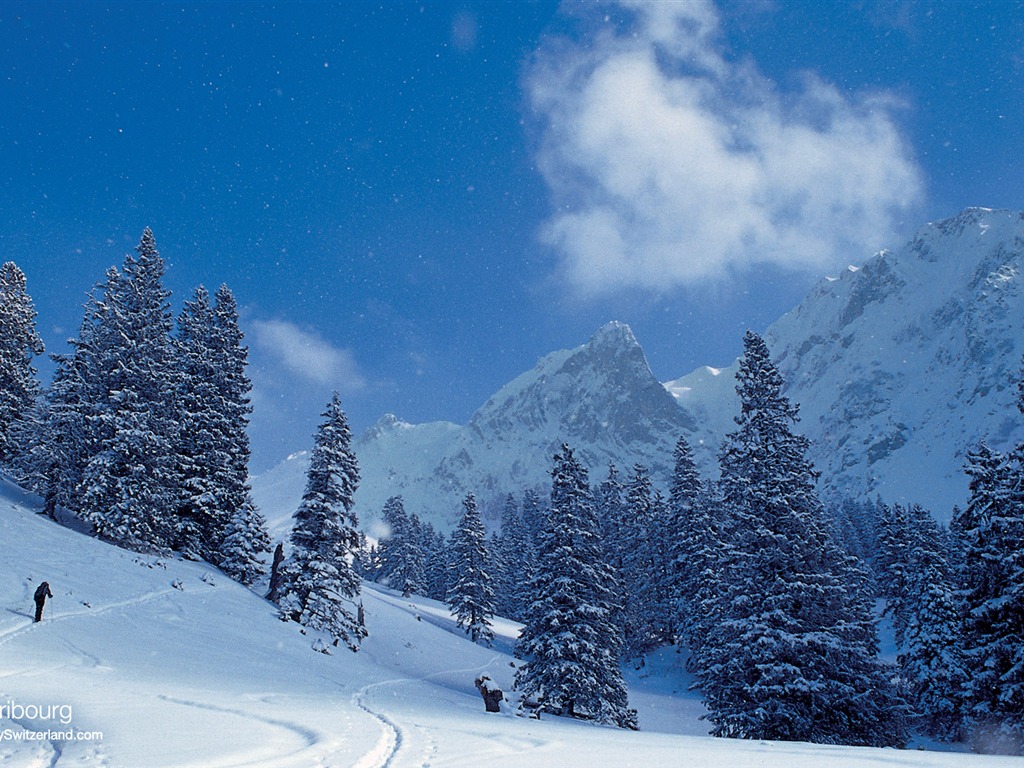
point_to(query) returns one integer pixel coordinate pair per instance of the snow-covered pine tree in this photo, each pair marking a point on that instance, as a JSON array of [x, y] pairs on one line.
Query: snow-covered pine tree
[[245, 542], [534, 515], [246, 538], [471, 597], [319, 588], [436, 563], [636, 546], [896, 542], [517, 560], [67, 440], [201, 520], [688, 528], [400, 554], [131, 479], [612, 517], [570, 640], [794, 652], [932, 661], [992, 526], [19, 345]]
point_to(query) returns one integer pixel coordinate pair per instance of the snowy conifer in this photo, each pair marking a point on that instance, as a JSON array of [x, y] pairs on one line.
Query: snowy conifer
[[131, 477], [993, 529], [516, 558], [19, 344], [570, 640], [400, 555], [471, 597], [319, 587], [794, 652]]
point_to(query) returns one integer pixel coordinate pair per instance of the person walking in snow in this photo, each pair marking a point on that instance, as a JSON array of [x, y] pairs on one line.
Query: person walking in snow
[[42, 592]]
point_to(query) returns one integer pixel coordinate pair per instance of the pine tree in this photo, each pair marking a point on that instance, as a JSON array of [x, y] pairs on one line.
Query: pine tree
[[515, 562], [246, 538], [245, 541], [436, 564], [319, 588], [636, 544], [202, 521], [19, 344], [471, 597], [794, 655], [400, 554], [67, 440], [993, 528], [131, 477], [688, 528], [570, 640], [893, 566]]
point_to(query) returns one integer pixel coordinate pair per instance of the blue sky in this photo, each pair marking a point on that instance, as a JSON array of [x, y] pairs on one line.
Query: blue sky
[[414, 201]]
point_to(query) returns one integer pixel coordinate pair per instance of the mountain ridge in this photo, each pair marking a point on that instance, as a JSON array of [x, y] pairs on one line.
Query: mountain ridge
[[899, 367]]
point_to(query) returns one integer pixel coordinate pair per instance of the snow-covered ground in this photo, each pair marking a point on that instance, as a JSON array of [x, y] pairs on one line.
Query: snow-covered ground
[[169, 663]]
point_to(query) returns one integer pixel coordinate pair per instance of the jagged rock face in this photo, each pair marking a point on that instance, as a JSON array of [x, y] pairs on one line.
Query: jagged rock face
[[600, 398], [901, 366]]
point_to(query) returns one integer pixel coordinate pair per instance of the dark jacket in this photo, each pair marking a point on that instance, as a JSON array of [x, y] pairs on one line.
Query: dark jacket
[[43, 592]]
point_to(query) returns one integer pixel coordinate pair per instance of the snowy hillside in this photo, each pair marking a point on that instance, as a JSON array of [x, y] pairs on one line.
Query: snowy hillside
[[175, 665]]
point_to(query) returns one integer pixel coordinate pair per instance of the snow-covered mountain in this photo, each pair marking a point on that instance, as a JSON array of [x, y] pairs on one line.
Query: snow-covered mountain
[[902, 365], [601, 397], [899, 367]]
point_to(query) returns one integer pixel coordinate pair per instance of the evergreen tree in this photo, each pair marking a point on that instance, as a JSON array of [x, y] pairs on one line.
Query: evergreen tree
[[993, 528], [794, 655], [570, 640], [319, 588], [636, 543], [246, 537], [533, 515], [131, 477], [400, 554], [515, 562], [688, 530], [436, 564], [893, 566], [202, 519], [471, 597], [19, 344]]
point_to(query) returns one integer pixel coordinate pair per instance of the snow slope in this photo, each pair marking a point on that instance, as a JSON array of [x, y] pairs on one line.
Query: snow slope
[[175, 665]]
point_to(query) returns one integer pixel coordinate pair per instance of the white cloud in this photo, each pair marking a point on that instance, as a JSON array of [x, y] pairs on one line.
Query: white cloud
[[670, 164], [307, 355]]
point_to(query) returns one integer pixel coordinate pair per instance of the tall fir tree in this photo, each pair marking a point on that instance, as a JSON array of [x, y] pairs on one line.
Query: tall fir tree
[[636, 543], [471, 596], [131, 478], [246, 538], [201, 520], [19, 384], [570, 640], [992, 527], [319, 587], [794, 654], [688, 529], [516, 561], [400, 554]]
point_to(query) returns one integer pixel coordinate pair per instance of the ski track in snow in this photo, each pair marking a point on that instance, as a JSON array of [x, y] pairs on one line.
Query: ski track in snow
[[309, 737], [390, 742], [6, 635], [394, 739], [52, 758]]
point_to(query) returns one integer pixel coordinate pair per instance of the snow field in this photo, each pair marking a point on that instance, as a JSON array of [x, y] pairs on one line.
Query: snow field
[[176, 665]]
